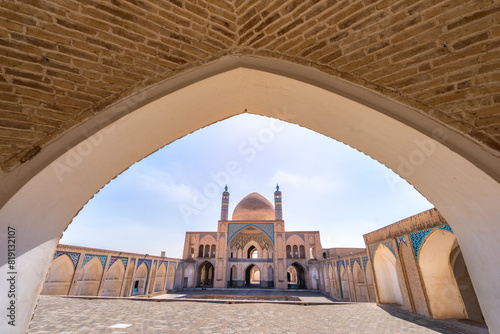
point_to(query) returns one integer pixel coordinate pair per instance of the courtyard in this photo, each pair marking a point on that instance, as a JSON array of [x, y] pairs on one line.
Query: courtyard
[[171, 314]]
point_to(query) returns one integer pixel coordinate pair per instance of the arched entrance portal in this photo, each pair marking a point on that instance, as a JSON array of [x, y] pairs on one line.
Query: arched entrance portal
[[205, 275], [454, 172], [252, 276], [296, 276]]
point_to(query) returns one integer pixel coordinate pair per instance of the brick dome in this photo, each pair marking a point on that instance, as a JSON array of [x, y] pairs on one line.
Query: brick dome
[[254, 207]]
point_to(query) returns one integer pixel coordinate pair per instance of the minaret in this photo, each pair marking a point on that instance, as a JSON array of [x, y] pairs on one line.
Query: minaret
[[225, 205], [277, 204]]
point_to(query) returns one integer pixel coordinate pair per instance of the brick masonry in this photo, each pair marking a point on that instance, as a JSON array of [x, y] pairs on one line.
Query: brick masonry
[[63, 61]]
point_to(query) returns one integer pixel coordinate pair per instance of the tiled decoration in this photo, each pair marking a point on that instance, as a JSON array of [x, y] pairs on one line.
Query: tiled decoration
[[339, 263], [388, 243], [73, 256], [267, 228], [401, 239], [358, 260], [417, 238], [88, 257], [373, 247], [148, 262], [365, 262], [114, 258]]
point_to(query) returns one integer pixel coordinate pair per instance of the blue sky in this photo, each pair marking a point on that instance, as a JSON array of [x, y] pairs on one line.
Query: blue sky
[[326, 186]]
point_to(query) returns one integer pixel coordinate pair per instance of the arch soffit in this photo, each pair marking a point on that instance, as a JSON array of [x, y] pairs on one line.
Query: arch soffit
[[174, 86], [211, 262], [483, 158], [464, 155], [295, 263], [252, 265], [254, 244]]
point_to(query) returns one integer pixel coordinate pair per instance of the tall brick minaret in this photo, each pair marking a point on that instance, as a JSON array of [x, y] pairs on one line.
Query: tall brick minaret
[[225, 205], [277, 204]]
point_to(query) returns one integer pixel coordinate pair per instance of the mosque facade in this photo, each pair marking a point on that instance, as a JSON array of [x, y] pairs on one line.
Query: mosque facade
[[252, 249], [415, 264]]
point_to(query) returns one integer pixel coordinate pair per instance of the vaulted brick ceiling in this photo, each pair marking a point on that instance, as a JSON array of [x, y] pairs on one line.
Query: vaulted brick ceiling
[[63, 61]]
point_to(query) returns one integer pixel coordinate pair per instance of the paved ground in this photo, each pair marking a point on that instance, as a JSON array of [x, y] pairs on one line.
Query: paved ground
[[306, 296], [78, 315]]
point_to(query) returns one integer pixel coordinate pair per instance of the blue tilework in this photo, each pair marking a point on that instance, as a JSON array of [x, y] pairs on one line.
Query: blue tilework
[[365, 262], [417, 238], [267, 228], [388, 243], [373, 248], [73, 256], [148, 262], [88, 257], [358, 260], [115, 258], [339, 263], [400, 239], [445, 227]]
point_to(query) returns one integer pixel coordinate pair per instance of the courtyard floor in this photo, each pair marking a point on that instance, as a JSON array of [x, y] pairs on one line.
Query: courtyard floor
[[169, 314]]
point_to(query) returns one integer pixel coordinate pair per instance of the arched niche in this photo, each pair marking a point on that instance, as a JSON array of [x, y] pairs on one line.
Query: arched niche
[[114, 279], [459, 176], [161, 275], [444, 297], [326, 279], [384, 265], [89, 278], [140, 280], [59, 276], [189, 277], [170, 277], [344, 282]]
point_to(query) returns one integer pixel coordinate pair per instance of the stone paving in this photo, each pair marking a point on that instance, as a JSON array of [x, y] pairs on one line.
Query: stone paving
[[81, 315]]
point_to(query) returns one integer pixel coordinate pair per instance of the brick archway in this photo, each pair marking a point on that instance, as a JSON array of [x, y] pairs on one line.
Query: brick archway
[[73, 76]]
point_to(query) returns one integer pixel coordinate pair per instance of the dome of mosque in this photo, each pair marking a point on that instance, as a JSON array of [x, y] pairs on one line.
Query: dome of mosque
[[254, 207]]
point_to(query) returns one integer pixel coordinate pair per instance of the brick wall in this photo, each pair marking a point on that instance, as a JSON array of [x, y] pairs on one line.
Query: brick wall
[[63, 61]]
